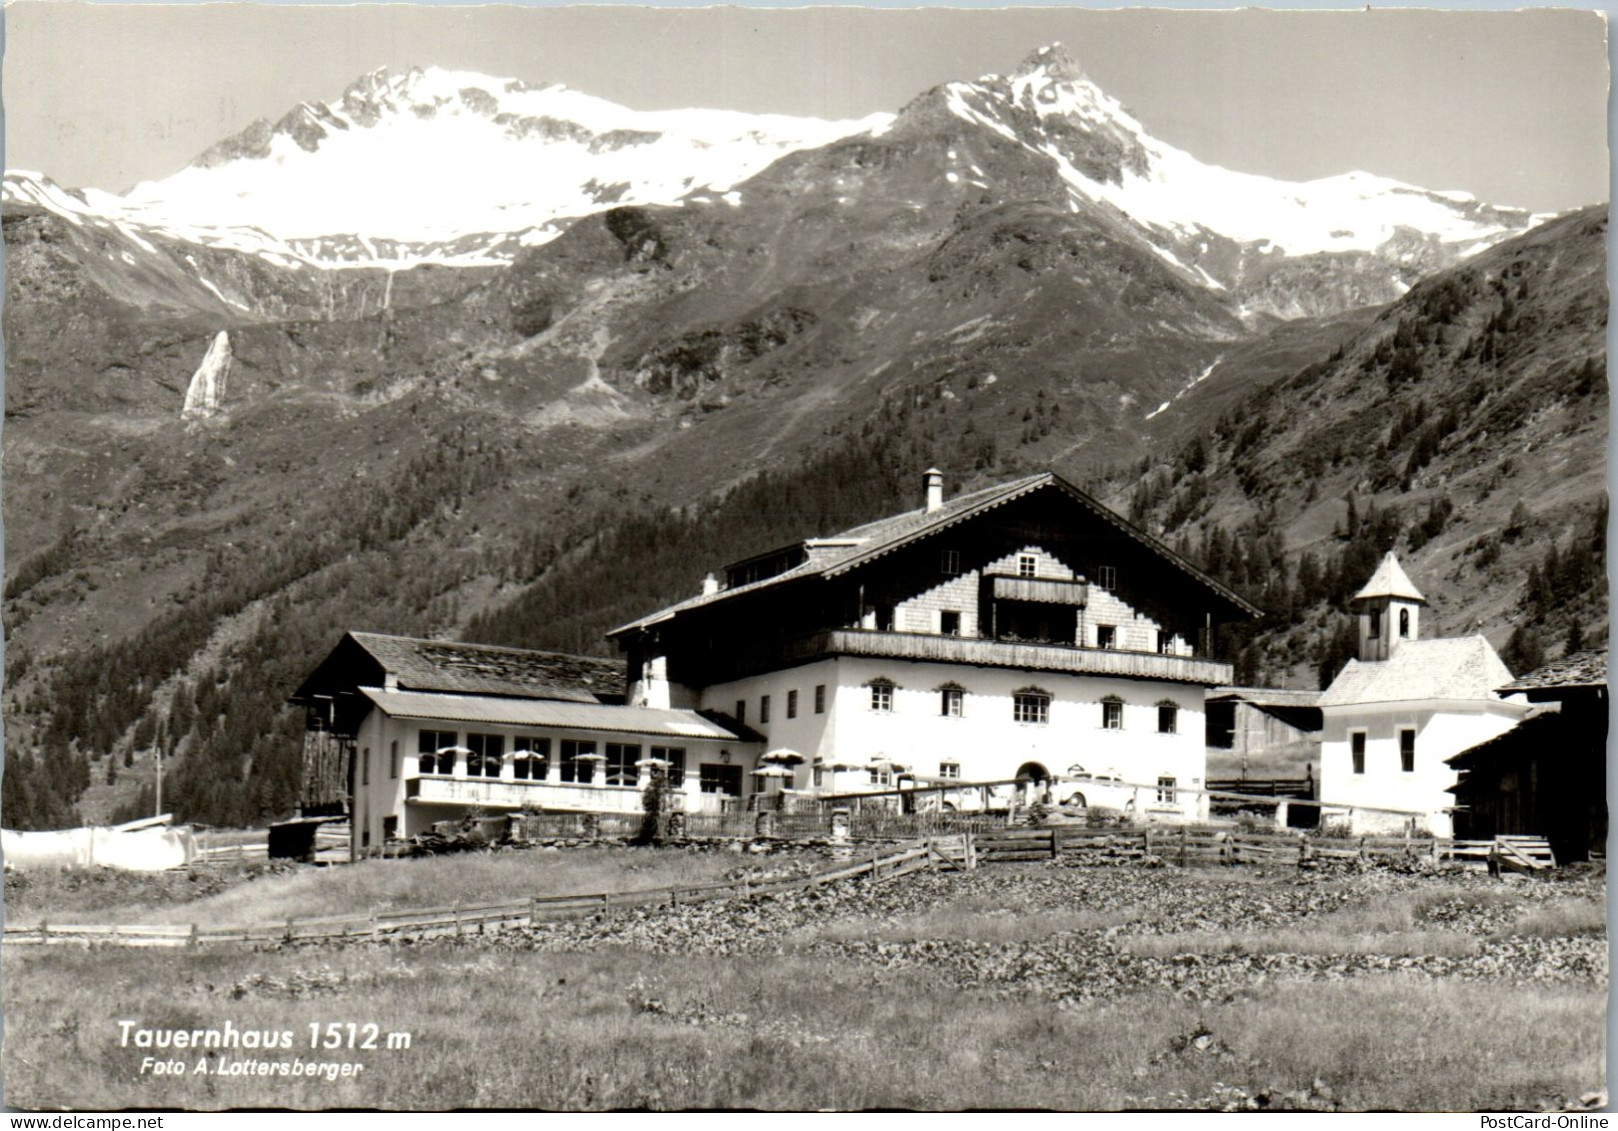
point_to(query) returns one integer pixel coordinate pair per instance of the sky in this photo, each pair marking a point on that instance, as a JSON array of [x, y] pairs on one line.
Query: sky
[[1510, 106]]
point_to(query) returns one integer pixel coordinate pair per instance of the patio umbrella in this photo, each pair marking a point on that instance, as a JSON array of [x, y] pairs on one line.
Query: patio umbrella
[[654, 762], [772, 772], [591, 758], [784, 757]]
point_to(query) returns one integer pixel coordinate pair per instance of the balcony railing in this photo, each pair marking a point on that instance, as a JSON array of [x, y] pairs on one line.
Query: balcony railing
[[438, 789], [1042, 590], [985, 653]]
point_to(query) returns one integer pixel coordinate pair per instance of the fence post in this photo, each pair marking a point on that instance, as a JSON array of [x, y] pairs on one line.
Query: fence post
[[1147, 841], [1303, 849], [1227, 851], [1055, 848], [289, 928], [1184, 858], [874, 864], [374, 931], [455, 909], [1362, 848], [533, 911], [44, 931]]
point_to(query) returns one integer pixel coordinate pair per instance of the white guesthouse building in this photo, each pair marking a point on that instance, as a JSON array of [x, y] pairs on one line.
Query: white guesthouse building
[[1394, 715], [404, 732], [1019, 633], [1022, 632]]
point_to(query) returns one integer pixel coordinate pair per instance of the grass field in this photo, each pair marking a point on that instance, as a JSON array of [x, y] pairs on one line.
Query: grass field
[[249, 896], [1013, 986]]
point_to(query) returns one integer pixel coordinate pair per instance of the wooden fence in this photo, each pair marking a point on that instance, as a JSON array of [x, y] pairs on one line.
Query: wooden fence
[[1186, 844], [458, 919]]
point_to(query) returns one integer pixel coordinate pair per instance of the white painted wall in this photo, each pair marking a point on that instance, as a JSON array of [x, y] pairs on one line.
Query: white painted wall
[[1443, 729], [384, 796], [986, 740]]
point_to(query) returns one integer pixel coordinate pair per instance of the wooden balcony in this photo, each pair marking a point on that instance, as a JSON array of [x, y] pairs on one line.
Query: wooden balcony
[[984, 653], [496, 793], [1040, 590]]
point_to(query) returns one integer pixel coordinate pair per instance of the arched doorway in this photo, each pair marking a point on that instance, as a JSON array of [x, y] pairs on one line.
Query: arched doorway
[[1033, 782]]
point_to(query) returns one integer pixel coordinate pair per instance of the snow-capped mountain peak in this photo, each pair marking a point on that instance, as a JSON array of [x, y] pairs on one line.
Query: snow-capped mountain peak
[[416, 165], [430, 165], [1208, 220]]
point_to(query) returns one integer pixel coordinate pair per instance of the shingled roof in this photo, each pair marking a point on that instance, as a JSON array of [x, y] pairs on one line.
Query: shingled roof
[[414, 664], [1390, 580], [1461, 668], [838, 553], [1587, 668]]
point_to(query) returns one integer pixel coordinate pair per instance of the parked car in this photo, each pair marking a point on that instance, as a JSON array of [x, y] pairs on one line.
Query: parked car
[[1081, 789]]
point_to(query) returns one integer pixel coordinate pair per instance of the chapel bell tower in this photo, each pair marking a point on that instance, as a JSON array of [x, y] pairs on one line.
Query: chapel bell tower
[[1389, 608]]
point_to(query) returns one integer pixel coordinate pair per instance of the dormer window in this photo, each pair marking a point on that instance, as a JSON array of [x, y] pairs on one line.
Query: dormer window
[[949, 622], [1107, 578], [949, 562], [1027, 565]]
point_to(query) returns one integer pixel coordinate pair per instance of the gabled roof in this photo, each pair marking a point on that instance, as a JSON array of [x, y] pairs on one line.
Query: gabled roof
[[837, 554], [1587, 668], [650, 722], [441, 665], [1464, 667], [1390, 580]]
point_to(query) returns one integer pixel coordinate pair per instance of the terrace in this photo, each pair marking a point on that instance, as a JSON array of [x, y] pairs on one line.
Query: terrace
[[578, 797]]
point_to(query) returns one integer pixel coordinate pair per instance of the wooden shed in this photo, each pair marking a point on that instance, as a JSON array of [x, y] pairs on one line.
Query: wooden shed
[[1547, 776]]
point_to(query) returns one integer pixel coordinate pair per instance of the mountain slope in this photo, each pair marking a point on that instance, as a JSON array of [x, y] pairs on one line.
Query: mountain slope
[[1469, 421]]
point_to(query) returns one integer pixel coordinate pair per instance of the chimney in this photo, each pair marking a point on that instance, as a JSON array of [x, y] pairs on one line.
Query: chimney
[[710, 585], [935, 489]]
